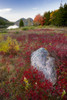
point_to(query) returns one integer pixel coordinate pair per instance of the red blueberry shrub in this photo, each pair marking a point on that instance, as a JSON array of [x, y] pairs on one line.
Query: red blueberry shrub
[[27, 83]]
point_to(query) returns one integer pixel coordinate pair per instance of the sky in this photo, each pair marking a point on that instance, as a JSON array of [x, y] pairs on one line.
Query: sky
[[16, 9]]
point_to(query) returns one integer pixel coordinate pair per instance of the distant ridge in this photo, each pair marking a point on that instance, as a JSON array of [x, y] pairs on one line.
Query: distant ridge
[[4, 19], [27, 22], [4, 22]]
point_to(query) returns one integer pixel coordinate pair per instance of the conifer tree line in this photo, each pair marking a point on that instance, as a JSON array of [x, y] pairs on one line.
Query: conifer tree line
[[57, 17]]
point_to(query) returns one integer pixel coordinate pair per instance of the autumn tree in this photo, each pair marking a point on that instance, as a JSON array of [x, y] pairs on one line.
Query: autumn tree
[[39, 20]]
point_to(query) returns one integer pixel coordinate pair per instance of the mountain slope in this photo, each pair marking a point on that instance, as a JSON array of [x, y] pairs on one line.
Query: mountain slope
[[4, 22], [1, 18]]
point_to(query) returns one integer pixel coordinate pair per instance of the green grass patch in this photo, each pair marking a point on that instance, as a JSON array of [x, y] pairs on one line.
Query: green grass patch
[[28, 28], [3, 31]]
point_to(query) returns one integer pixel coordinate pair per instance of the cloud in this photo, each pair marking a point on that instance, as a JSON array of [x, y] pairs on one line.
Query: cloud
[[5, 10]]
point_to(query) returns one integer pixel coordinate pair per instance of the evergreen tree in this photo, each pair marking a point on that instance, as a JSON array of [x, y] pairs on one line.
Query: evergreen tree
[[60, 16], [21, 24], [47, 17], [65, 15], [54, 17]]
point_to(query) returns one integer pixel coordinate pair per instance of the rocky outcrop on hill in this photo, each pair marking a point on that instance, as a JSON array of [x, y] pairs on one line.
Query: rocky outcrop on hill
[[27, 22]]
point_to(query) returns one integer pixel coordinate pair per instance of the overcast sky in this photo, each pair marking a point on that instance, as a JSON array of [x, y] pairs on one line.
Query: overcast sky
[[16, 9]]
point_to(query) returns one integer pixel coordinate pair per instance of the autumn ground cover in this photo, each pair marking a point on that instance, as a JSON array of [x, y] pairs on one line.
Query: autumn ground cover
[[18, 80]]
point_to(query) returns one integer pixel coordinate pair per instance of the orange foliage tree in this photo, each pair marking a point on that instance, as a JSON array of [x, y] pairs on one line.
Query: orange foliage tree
[[39, 20]]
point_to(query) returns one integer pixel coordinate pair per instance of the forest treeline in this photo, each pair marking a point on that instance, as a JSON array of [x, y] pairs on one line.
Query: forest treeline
[[57, 17]]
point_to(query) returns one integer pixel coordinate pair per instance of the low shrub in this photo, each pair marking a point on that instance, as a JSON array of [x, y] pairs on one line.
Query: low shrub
[[28, 28], [9, 46], [1, 37], [3, 31], [25, 28], [31, 27], [25, 82], [16, 32], [40, 26]]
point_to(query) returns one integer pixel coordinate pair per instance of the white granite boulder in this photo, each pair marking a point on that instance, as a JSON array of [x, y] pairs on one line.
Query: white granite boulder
[[41, 60]]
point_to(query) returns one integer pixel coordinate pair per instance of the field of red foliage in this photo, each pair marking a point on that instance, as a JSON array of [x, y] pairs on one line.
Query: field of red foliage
[[19, 81]]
